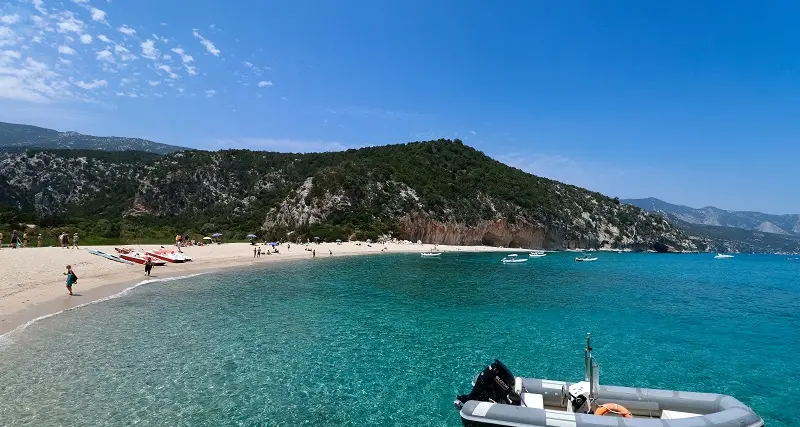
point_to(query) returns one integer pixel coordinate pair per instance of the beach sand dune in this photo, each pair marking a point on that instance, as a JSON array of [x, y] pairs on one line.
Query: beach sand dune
[[33, 284]]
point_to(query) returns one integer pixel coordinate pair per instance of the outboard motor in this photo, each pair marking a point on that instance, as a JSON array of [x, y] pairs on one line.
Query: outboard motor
[[495, 384]]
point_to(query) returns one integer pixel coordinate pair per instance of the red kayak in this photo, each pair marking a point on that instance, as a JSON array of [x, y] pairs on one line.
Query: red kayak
[[137, 257], [169, 256]]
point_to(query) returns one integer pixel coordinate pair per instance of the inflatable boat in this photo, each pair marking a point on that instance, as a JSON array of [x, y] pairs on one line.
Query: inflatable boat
[[500, 399]]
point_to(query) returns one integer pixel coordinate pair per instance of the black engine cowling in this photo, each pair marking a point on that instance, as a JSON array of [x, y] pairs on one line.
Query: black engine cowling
[[494, 384]]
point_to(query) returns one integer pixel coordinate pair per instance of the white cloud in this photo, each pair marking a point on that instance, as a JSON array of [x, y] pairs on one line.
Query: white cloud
[[167, 69], [161, 39], [207, 43], [39, 5], [128, 31], [163, 24], [105, 55], [264, 83], [283, 145], [98, 15], [86, 39], [186, 58], [123, 53], [190, 70], [31, 81], [124, 82], [473, 132], [66, 50], [13, 54], [64, 61], [94, 84], [68, 23], [166, 57], [210, 93], [8, 37], [10, 19], [149, 50], [80, 1], [154, 83]]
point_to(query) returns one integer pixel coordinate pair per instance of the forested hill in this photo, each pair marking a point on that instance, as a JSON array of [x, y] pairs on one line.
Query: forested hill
[[438, 191], [16, 137]]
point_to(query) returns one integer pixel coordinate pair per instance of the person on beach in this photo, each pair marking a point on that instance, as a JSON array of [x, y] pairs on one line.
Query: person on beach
[[75, 241], [39, 241], [71, 278], [330, 252], [14, 239], [254, 252], [25, 239], [259, 252], [148, 265], [313, 253], [1, 240]]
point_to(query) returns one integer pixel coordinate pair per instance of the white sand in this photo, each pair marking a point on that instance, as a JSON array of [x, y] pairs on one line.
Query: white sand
[[32, 283]]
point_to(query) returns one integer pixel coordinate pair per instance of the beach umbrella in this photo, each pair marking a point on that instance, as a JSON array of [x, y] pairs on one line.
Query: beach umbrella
[[216, 235], [206, 238], [251, 236]]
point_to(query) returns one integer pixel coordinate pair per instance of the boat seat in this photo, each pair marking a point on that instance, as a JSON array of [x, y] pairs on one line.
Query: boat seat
[[533, 400], [674, 415]]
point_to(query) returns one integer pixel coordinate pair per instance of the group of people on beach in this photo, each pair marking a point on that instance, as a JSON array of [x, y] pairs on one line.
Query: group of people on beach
[[63, 240], [22, 241], [18, 241]]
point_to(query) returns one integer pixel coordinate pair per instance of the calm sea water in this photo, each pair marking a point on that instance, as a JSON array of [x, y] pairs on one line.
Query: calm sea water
[[392, 339]]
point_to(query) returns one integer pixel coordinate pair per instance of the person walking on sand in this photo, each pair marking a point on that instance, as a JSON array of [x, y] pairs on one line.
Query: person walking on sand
[[254, 252], [148, 265], [39, 241], [72, 278], [313, 253], [24, 239], [74, 241], [259, 252], [14, 239], [330, 252]]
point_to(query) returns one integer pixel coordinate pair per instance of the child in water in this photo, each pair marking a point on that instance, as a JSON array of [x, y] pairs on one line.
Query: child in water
[[71, 278]]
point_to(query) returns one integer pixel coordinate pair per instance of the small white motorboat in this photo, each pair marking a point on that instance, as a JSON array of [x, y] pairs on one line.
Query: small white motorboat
[[513, 258], [430, 254], [536, 253], [586, 258], [723, 256]]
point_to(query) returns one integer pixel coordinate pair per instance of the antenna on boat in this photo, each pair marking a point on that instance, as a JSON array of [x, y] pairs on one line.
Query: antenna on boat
[[587, 356], [591, 372]]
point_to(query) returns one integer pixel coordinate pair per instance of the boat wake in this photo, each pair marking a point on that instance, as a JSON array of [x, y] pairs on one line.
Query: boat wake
[[7, 338]]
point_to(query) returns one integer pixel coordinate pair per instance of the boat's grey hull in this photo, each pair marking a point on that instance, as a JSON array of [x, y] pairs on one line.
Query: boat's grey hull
[[720, 410]]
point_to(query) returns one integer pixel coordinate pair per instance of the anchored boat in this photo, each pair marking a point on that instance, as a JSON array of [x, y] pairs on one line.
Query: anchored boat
[[586, 258], [723, 256], [500, 399], [513, 259], [537, 253]]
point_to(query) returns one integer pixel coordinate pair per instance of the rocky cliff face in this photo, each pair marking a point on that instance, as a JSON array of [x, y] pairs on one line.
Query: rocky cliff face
[[437, 192]]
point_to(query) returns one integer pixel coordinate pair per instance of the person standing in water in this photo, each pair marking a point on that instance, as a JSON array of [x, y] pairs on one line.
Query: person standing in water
[[71, 278], [148, 265]]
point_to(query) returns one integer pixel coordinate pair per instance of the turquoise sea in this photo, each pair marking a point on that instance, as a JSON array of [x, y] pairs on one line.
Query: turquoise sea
[[391, 339]]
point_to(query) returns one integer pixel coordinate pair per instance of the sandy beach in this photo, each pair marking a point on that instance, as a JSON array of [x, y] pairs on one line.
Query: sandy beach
[[33, 282]]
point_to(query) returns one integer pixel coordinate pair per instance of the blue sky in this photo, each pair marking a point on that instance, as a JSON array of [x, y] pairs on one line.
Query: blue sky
[[690, 102]]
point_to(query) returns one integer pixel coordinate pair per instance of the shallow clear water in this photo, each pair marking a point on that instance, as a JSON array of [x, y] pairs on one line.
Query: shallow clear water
[[392, 339]]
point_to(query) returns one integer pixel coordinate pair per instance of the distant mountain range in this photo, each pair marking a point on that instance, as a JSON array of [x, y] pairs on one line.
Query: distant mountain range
[[743, 231], [16, 137]]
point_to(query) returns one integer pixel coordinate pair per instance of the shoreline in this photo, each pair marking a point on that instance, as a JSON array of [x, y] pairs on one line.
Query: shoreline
[[26, 298]]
